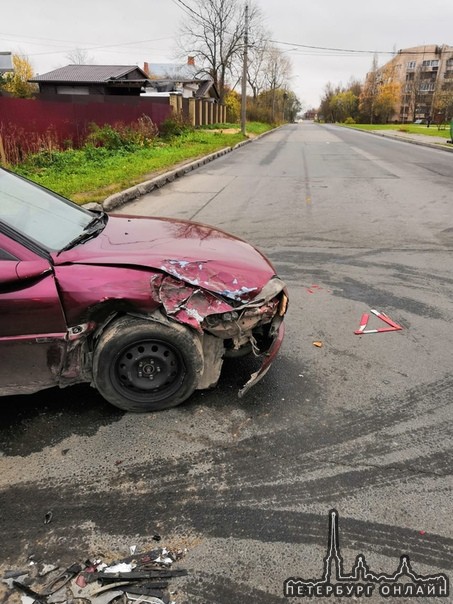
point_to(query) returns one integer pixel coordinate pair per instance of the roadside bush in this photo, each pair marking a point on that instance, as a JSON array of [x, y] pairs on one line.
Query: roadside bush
[[233, 106], [350, 120], [18, 144], [104, 136], [257, 113], [174, 126], [140, 133]]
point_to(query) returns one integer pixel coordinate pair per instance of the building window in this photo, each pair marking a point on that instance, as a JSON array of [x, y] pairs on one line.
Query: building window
[[427, 86], [431, 63], [411, 65]]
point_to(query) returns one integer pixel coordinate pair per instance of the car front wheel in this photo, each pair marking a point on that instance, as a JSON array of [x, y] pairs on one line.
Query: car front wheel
[[142, 365]]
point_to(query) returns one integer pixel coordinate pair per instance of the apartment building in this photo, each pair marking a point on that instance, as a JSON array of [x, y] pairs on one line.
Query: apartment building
[[424, 74]]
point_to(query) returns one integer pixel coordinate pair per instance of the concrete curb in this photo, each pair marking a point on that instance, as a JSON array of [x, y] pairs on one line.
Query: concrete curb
[[119, 199], [405, 139]]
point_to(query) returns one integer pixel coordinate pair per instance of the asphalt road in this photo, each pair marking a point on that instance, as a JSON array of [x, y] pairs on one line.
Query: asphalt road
[[363, 424]]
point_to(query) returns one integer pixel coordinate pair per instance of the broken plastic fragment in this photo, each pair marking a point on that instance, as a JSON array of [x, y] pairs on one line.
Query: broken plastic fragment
[[146, 599], [14, 577], [166, 561], [81, 581], [318, 344], [106, 597], [46, 569], [122, 567], [48, 517]]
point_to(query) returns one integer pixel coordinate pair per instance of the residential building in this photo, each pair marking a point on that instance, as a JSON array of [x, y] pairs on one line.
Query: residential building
[[92, 80], [424, 73], [185, 79], [6, 62]]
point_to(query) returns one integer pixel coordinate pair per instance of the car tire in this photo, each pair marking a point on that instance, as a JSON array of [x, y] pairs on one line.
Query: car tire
[[143, 365]]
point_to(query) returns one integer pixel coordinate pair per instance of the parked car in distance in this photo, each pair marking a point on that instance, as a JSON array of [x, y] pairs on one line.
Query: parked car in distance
[[144, 309]]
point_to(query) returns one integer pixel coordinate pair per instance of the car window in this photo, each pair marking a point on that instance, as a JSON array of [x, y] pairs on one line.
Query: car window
[[43, 216], [4, 255]]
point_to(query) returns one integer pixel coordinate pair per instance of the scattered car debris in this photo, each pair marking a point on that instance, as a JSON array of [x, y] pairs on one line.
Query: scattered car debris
[[141, 577], [318, 344], [380, 315], [48, 518], [46, 569], [313, 289]]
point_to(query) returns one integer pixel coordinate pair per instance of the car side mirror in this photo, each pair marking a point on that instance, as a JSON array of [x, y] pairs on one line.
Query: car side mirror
[[12, 271]]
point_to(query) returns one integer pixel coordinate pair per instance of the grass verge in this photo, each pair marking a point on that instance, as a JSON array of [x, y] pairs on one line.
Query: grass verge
[[94, 173], [409, 128]]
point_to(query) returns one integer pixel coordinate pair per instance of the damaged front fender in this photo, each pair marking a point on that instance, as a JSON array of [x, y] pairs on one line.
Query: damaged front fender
[[255, 324]]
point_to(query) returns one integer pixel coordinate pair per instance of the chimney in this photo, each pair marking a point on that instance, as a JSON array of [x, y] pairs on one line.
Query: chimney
[[146, 68], [190, 60]]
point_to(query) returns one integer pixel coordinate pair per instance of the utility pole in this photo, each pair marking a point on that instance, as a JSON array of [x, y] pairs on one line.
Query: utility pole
[[244, 69]]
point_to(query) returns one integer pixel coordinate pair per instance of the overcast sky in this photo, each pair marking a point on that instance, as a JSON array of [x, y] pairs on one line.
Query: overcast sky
[[124, 32]]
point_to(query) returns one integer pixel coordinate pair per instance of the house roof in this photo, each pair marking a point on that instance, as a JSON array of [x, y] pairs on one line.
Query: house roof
[[168, 74], [91, 74], [6, 62], [205, 87]]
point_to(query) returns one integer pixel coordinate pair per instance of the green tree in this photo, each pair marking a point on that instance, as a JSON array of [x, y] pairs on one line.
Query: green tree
[[292, 106], [326, 110], [344, 104]]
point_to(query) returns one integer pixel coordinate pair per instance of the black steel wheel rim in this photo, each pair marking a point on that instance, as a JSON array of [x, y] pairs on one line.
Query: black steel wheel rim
[[148, 370]]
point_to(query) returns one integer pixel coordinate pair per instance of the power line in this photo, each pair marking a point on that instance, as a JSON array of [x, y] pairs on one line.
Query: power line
[[343, 50], [353, 50], [190, 9], [103, 46]]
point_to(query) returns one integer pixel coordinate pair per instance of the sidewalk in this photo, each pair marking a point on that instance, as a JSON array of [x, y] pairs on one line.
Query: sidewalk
[[435, 142]]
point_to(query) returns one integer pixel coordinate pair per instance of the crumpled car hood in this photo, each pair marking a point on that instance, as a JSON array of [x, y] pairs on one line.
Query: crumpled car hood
[[194, 253]]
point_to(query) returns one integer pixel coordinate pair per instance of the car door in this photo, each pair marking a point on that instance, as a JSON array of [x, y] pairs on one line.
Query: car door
[[32, 324]]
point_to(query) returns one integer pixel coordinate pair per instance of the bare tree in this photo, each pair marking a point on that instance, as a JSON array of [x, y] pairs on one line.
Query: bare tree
[[442, 103], [412, 94], [213, 32], [79, 56], [277, 72], [369, 91], [257, 59]]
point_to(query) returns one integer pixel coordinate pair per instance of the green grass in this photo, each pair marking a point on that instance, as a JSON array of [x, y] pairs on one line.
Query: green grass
[[258, 127], [409, 128], [94, 173], [250, 128]]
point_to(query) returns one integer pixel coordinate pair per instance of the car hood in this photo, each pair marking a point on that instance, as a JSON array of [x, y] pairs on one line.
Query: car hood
[[194, 253]]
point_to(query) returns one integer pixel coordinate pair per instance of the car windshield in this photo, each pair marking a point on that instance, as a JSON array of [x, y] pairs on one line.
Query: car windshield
[[48, 219]]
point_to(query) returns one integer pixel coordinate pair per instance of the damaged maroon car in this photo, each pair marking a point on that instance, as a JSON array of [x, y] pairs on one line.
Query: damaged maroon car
[[144, 309]]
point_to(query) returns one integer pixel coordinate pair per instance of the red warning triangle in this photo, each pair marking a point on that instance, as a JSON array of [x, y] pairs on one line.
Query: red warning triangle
[[380, 315]]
